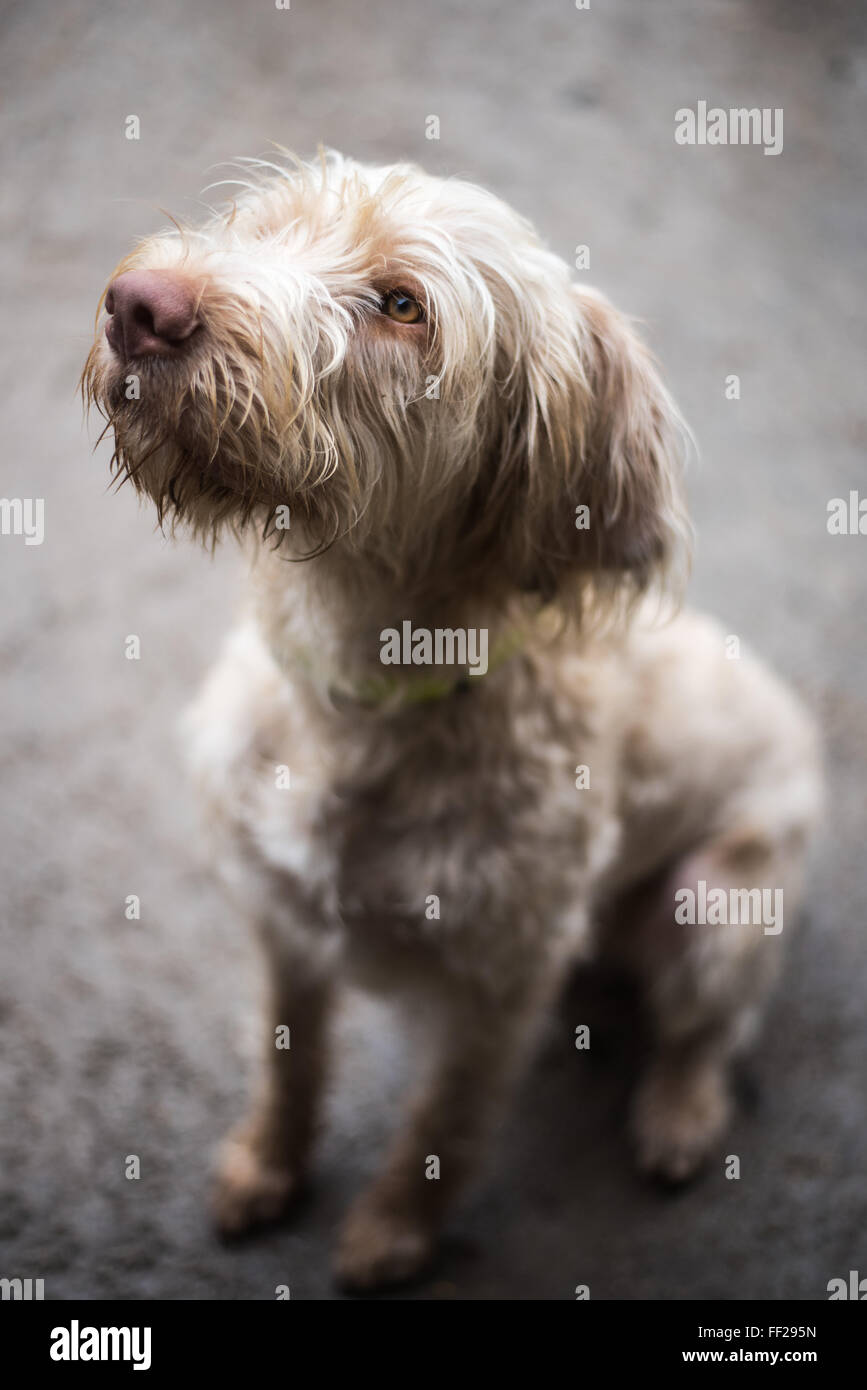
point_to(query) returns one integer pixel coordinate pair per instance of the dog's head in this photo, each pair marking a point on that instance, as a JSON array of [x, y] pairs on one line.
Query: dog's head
[[392, 363]]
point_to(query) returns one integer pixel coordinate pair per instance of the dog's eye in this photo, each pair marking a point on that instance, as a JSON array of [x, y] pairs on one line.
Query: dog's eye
[[402, 307]]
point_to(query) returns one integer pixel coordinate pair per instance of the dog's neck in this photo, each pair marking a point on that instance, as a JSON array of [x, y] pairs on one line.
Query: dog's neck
[[346, 628]]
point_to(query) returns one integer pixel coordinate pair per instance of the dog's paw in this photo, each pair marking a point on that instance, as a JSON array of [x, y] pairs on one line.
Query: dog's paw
[[679, 1117], [378, 1248], [248, 1192]]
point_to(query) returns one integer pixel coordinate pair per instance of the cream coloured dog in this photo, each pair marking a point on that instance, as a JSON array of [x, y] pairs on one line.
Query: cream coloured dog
[[424, 431]]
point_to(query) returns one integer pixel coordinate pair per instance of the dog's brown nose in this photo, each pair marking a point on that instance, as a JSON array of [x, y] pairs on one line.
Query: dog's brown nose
[[153, 313]]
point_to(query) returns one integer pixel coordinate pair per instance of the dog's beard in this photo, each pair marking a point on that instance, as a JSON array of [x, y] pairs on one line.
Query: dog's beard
[[216, 450], [307, 456]]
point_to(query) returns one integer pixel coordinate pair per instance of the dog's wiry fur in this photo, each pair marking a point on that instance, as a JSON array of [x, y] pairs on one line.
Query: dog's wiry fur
[[433, 473]]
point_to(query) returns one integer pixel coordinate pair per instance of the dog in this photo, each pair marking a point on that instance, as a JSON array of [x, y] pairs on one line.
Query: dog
[[394, 395]]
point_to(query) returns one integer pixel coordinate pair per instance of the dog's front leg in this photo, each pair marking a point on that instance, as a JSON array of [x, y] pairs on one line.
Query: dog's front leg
[[392, 1229], [262, 1164]]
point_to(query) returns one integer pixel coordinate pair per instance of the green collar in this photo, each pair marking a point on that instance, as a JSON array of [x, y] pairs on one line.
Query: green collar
[[400, 692]]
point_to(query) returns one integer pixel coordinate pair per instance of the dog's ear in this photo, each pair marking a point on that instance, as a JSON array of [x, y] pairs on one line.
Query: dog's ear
[[598, 446]]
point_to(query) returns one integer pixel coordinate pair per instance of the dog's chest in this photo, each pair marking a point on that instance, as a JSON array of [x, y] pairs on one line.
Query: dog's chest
[[466, 832]]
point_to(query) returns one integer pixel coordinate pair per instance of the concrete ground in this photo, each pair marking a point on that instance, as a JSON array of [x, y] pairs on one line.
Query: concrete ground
[[127, 1037]]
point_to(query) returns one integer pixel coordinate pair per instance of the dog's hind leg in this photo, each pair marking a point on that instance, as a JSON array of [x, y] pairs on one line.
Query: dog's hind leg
[[263, 1163], [705, 982]]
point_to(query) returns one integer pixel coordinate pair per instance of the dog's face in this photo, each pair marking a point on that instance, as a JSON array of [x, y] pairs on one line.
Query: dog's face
[[391, 363]]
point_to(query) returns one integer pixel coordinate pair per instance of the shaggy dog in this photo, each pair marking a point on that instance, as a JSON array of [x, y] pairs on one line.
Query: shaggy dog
[[429, 436]]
